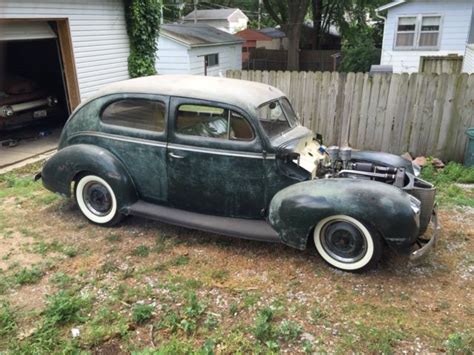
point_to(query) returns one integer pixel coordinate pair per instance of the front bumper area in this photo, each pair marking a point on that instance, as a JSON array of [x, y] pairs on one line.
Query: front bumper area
[[427, 244]]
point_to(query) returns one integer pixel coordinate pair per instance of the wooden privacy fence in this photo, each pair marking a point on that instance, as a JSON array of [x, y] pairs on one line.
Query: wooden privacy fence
[[424, 114]]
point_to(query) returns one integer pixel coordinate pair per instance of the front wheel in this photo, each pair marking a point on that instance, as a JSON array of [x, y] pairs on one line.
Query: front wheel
[[97, 201], [347, 244]]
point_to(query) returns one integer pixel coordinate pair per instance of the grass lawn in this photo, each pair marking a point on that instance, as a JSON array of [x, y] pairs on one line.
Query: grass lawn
[[145, 287]]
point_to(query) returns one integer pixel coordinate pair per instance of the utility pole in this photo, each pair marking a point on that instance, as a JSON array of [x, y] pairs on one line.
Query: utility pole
[[161, 12], [259, 14], [195, 11]]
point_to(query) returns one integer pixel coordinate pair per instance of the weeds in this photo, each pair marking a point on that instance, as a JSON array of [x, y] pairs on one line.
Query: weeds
[[445, 181], [7, 320], [289, 330], [105, 324], [61, 280], [142, 251], [460, 343], [28, 276], [142, 313], [180, 260], [65, 307], [114, 238], [263, 329]]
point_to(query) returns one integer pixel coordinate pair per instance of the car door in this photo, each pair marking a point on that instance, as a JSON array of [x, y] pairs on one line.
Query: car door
[[215, 160], [133, 127]]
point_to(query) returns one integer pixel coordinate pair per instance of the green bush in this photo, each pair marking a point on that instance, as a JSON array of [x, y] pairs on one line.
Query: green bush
[[359, 51]]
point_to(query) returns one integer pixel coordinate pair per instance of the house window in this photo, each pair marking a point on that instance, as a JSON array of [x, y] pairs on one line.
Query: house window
[[212, 60], [429, 32], [406, 32], [418, 32]]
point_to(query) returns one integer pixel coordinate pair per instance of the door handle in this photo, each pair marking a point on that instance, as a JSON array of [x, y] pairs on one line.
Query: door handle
[[175, 156]]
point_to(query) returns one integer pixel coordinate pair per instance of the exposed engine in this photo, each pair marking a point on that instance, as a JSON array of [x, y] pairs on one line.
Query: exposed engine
[[341, 164]]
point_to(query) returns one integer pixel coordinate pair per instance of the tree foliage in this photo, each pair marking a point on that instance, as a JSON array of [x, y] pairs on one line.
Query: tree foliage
[[143, 24], [359, 51]]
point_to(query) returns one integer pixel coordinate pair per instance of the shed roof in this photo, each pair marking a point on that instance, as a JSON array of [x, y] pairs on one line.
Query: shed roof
[[214, 14], [253, 35], [197, 35], [273, 32], [240, 93]]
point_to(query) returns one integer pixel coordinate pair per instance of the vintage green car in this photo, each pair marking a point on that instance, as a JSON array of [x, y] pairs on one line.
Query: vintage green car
[[230, 157]]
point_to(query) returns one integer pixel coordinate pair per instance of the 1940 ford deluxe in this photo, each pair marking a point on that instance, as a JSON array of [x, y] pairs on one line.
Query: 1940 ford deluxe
[[230, 157]]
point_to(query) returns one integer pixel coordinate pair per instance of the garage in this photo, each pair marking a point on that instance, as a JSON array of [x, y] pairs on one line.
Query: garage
[[53, 55], [33, 91]]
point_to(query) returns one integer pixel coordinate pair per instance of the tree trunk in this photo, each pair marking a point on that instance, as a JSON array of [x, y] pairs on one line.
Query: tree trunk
[[316, 6], [297, 10], [293, 60]]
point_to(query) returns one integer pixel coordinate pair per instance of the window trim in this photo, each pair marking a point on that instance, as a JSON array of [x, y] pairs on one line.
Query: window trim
[[419, 21]]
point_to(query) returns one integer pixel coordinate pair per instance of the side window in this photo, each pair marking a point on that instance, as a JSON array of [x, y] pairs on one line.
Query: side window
[[136, 113], [212, 122]]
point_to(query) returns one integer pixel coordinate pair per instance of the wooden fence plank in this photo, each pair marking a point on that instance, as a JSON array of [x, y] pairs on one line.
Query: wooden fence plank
[[390, 112], [355, 108], [420, 113], [385, 81], [364, 112], [349, 92]]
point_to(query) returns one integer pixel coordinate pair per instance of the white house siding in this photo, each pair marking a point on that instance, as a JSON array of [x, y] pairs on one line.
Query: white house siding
[[172, 57], [455, 28], [230, 57], [468, 65], [98, 33]]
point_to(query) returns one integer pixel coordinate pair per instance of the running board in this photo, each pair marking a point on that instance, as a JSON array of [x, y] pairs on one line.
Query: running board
[[234, 227]]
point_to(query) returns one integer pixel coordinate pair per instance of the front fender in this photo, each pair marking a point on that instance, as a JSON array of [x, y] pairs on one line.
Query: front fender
[[295, 210], [60, 170]]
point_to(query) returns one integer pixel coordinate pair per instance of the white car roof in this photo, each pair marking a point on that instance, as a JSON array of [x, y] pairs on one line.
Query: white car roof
[[241, 93]]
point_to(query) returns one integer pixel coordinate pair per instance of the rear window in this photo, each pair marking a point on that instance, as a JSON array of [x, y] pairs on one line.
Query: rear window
[[136, 113]]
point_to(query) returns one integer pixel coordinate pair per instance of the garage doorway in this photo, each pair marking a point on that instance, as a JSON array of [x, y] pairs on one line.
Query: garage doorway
[[38, 85]]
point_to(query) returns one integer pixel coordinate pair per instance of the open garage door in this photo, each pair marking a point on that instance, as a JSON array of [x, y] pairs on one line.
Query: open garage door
[[38, 86], [38, 83]]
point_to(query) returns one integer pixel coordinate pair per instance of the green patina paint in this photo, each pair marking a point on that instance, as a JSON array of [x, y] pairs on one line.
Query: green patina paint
[[229, 178]]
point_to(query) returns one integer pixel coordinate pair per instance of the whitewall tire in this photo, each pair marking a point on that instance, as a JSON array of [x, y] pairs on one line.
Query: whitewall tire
[[346, 243], [96, 200]]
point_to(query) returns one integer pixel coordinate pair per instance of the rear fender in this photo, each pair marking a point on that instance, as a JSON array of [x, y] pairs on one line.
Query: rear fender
[[295, 210], [62, 168]]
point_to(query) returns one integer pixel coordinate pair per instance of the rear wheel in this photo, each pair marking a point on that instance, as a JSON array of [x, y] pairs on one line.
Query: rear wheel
[[347, 244], [97, 201]]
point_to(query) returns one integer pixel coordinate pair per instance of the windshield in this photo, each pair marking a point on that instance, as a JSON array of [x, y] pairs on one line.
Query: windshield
[[277, 117]]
